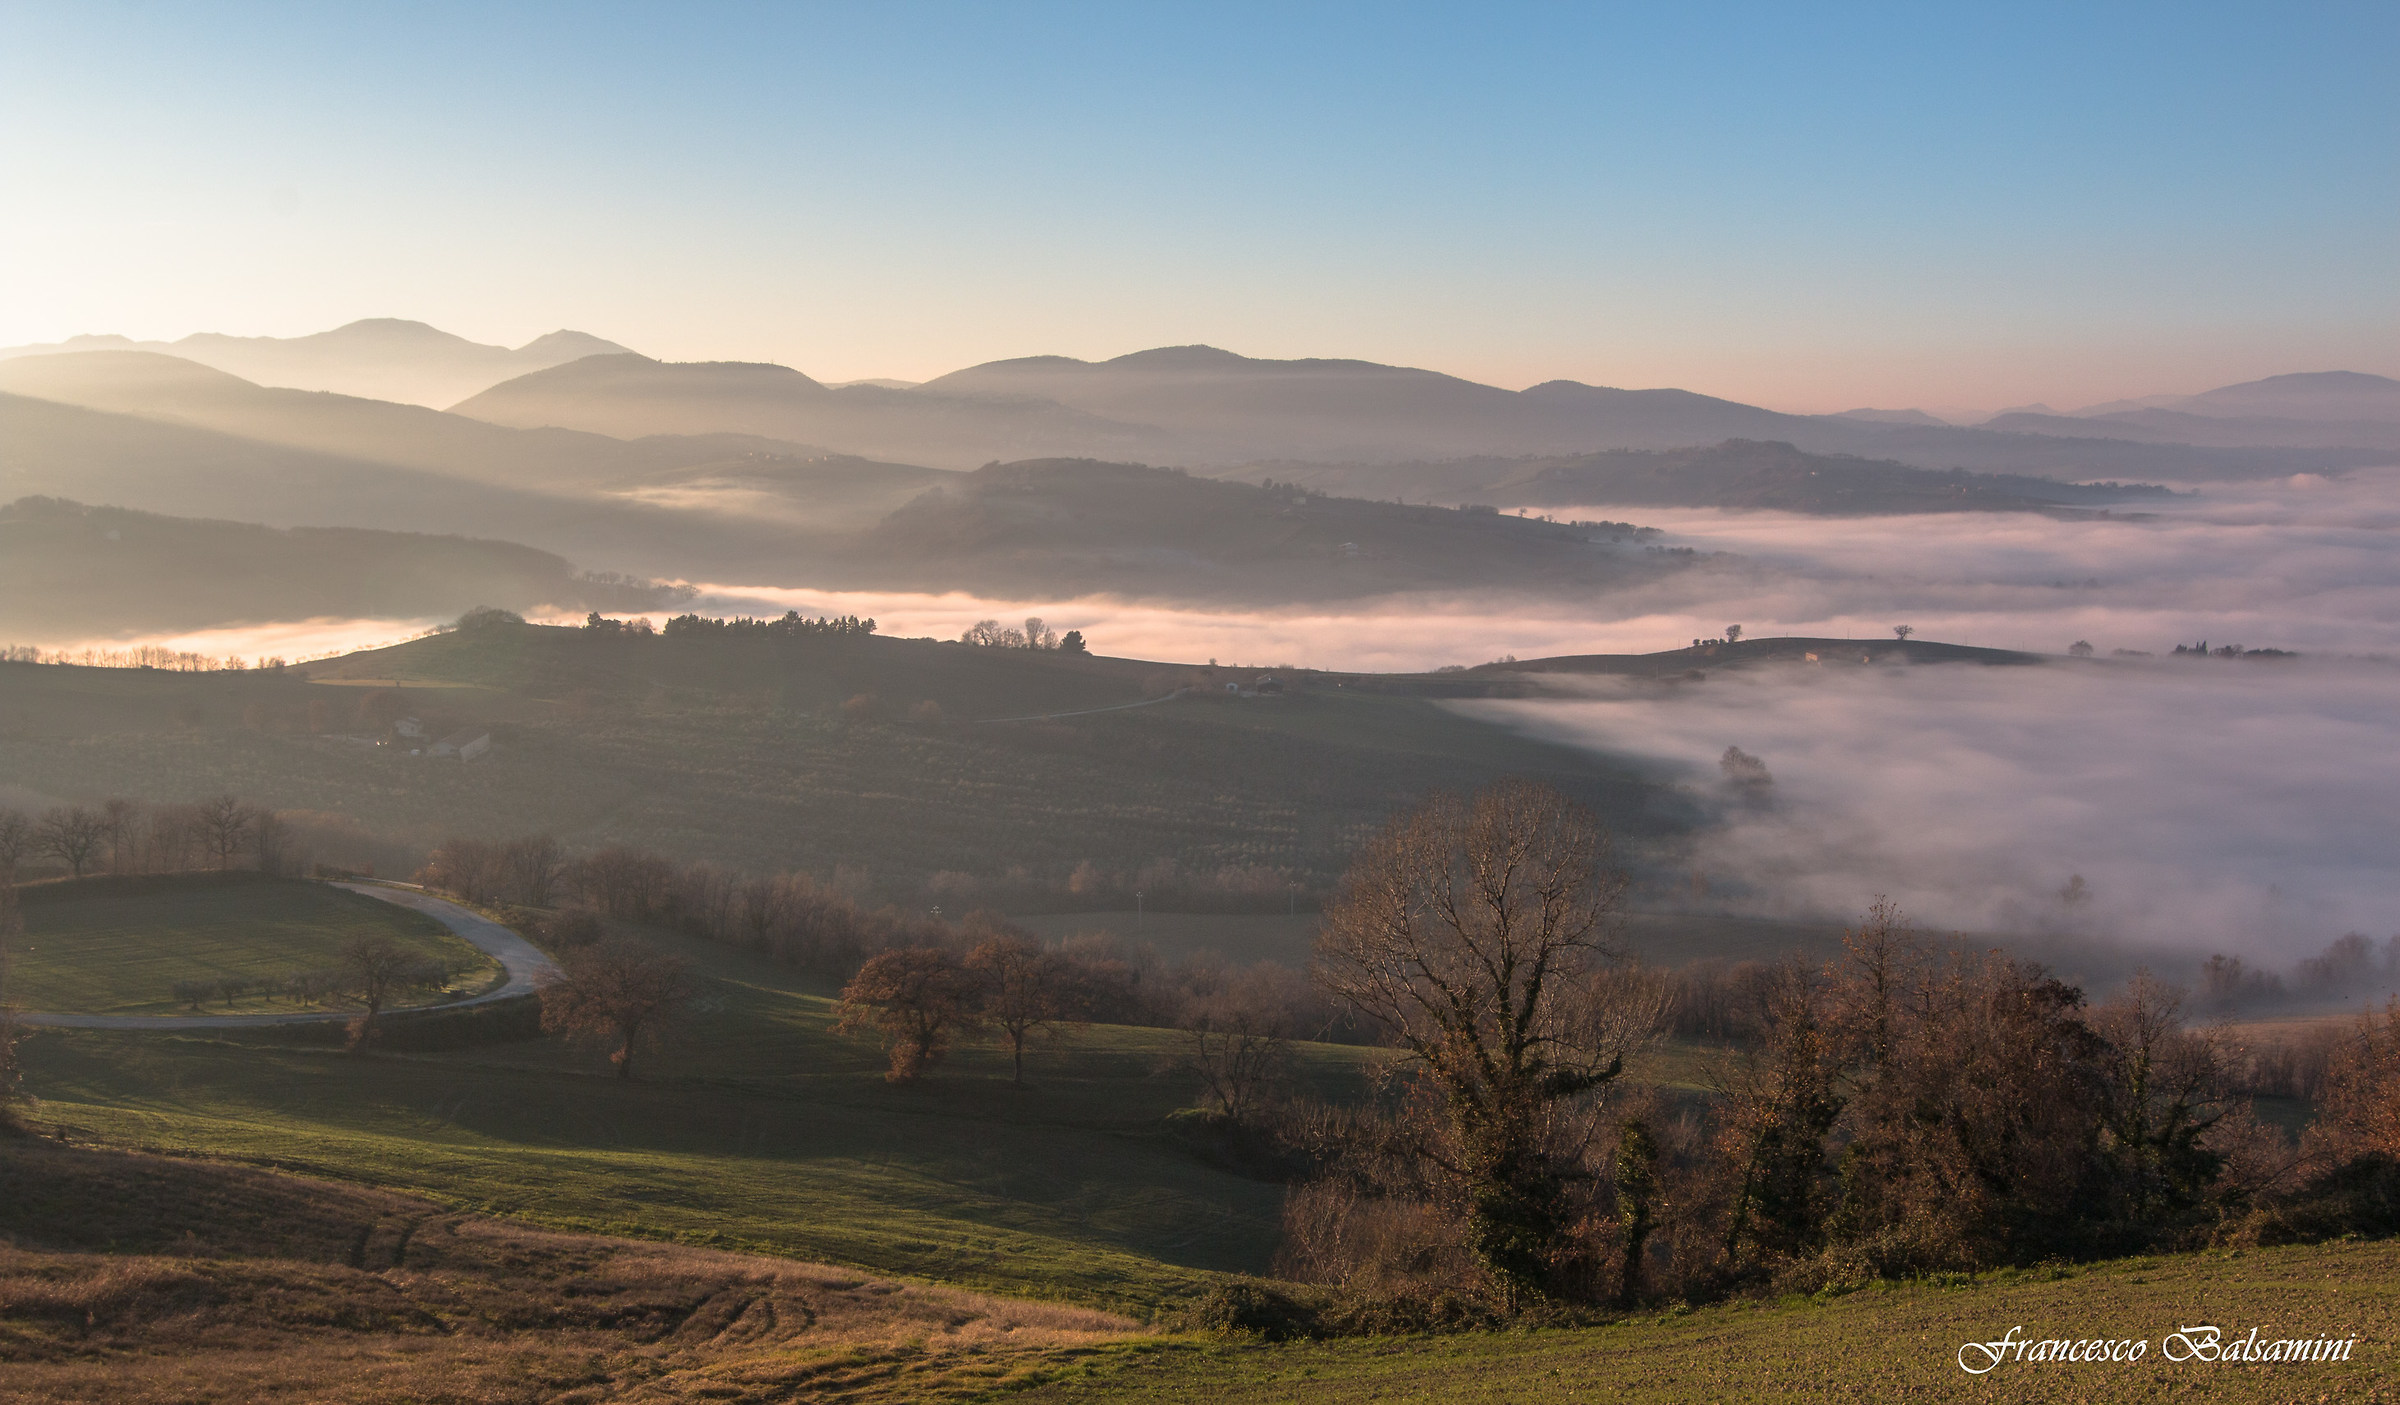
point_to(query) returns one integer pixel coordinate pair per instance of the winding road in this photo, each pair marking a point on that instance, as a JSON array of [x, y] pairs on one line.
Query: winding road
[[522, 960]]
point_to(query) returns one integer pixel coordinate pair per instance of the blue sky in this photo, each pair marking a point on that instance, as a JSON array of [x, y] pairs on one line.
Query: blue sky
[[1810, 207]]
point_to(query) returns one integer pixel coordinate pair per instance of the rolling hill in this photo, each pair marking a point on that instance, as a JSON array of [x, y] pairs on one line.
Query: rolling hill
[[1739, 473], [1225, 408], [1077, 527], [812, 753], [383, 358], [72, 573], [176, 391], [633, 396]]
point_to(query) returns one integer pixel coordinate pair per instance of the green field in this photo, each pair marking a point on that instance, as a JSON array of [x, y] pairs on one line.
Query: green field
[[1896, 1343], [118, 946], [761, 1129]]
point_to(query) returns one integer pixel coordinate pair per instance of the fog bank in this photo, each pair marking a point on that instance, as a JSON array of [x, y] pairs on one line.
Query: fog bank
[[2237, 805]]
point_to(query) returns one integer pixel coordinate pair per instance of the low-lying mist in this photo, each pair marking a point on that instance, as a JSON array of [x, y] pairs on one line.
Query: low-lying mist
[[2206, 804]]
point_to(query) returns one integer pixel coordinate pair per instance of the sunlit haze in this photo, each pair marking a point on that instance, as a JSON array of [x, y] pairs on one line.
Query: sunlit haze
[[1807, 209]]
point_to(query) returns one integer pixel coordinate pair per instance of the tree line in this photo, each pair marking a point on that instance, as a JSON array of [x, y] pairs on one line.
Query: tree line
[[1909, 1108], [127, 837]]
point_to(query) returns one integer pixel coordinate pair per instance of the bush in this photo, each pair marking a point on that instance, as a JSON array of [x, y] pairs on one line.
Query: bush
[[1251, 1307]]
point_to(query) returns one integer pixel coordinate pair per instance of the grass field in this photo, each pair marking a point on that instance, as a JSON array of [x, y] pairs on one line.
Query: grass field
[[139, 1280], [762, 1130], [1899, 1343], [118, 946]]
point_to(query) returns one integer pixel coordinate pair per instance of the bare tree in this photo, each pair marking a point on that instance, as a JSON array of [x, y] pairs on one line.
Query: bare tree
[[624, 992], [1240, 1050], [12, 1033], [1023, 991], [1902, 631], [18, 839], [534, 864], [916, 998], [121, 826], [1471, 932], [225, 824], [374, 972], [72, 834]]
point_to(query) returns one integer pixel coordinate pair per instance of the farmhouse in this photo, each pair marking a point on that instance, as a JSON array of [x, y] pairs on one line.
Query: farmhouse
[[466, 744]]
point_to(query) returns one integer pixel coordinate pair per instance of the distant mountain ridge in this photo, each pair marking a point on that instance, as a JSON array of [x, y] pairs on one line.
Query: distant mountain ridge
[[1201, 406], [380, 358], [631, 396]]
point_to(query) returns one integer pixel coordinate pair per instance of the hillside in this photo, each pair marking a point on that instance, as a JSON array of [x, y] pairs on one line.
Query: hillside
[[49, 449], [633, 396], [70, 572], [138, 1278], [381, 358], [181, 392], [1228, 409], [1739, 474], [1782, 649], [1074, 527], [815, 753]]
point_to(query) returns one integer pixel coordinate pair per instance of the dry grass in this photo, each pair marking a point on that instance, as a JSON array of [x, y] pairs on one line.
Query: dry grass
[[132, 1278]]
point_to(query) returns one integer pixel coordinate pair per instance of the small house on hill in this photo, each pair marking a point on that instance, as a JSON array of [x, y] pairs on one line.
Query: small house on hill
[[465, 744]]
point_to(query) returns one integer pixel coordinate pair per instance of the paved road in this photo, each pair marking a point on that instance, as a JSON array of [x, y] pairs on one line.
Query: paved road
[[521, 959]]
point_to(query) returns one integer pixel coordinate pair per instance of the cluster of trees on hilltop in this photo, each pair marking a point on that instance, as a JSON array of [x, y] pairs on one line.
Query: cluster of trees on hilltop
[[791, 626], [1036, 634]]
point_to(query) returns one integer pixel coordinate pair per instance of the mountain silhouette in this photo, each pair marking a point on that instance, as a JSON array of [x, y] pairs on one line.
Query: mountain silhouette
[[382, 358]]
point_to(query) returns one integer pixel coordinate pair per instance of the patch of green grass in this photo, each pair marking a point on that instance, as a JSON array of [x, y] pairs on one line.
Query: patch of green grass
[[1896, 1343], [762, 1131], [118, 946]]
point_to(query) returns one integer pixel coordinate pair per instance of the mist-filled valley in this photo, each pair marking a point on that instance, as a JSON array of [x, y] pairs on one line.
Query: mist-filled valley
[[2210, 803], [1148, 704]]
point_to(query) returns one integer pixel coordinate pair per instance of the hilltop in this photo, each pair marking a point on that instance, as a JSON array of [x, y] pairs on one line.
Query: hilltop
[[70, 572], [881, 755], [1077, 527], [633, 396], [385, 358], [1739, 474]]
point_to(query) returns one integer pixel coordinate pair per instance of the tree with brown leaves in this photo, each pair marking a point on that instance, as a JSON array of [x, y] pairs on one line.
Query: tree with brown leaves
[[623, 992], [1471, 933], [916, 998]]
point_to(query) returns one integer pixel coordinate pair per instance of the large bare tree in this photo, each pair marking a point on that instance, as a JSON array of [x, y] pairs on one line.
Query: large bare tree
[[1022, 990], [623, 992], [1473, 933], [72, 834], [18, 838], [225, 824], [374, 972]]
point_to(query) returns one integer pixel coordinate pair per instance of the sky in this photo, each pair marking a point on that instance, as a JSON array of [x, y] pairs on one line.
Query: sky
[[1809, 207]]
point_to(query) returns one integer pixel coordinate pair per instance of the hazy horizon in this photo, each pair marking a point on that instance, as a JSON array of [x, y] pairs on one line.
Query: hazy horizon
[[1812, 213]]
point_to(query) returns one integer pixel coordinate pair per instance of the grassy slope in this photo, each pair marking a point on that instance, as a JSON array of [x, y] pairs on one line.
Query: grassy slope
[[742, 754], [135, 1279], [763, 1131], [117, 946], [1893, 1344]]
